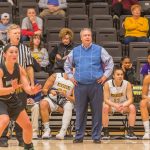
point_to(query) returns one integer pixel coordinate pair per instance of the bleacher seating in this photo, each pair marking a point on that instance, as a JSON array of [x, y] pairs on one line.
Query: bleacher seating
[[101, 8], [138, 49], [106, 34], [52, 35], [102, 21], [113, 48], [53, 22], [78, 21], [76, 9], [94, 14]]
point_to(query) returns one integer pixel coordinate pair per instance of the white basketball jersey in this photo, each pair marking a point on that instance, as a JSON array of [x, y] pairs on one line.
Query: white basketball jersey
[[61, 84], [118, 94]]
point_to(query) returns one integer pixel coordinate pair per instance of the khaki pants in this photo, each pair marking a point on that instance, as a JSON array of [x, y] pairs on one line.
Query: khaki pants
[[46, 12], [34, 117]]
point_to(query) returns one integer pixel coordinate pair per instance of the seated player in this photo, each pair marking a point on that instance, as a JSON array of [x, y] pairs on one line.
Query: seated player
[[60, 97], [118, 98], [145, 106]]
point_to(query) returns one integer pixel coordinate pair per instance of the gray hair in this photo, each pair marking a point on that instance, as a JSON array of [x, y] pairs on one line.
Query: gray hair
[[85, 29]]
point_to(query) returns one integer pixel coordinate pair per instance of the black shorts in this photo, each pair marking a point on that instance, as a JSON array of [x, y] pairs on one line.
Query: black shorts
[[61, 101], [23, 97], [12, 108]]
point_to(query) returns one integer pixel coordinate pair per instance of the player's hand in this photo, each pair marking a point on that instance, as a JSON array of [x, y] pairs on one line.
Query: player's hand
[[36, 89], [30, 101], [119, 107], [15, 84], [62, 93]]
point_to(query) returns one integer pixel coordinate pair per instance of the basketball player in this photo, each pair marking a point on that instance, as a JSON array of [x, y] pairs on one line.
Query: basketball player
[[13, 77], [60, 99], [118, 98], [145, 106]]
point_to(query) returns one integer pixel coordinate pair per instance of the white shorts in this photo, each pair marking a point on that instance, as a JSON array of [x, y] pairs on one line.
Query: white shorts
[[54, 106]]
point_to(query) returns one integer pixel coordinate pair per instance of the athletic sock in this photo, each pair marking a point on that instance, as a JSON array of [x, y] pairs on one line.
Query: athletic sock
[[146, 126], [66, 116], [46, 125]]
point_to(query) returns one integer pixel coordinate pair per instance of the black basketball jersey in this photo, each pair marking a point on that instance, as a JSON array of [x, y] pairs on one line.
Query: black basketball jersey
[[7, 77]]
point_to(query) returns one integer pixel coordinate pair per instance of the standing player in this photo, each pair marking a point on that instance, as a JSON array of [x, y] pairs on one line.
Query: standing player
[[25, 60], [145, 106], [60, 99], [118, 98], [12, 77]]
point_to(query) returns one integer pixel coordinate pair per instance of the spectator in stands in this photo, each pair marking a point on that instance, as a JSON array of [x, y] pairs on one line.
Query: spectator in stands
[[54, 7], [59, 98], [136, 27], [129, 71], [31, 25], [10, 1], [40, 55], [33, 101], [60, 52], [25, 60], [122, 7], [145, 106], [88, 78], [118, 98], [4, 24], [145, 70]]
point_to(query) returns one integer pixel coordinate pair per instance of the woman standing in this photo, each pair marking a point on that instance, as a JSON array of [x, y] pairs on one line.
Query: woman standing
[[12, 80]]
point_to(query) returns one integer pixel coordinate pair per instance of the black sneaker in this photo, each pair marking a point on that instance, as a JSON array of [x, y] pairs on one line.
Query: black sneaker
[[130, 134], [3, 143], [21, 144], [78, 141], [31, 148], [28, 147], [96, 141], [106, 134]]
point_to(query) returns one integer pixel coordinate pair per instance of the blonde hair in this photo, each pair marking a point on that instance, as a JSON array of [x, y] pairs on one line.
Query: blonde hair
[[66, 31], [135, 6], [13, 26]]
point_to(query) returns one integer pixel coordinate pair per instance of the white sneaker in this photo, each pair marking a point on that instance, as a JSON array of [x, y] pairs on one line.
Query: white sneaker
[[34, 136], [61, 134], [146, 136], [46, 134]]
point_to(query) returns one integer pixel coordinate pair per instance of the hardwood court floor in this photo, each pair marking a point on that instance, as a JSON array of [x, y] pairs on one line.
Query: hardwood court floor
[[87, 145]]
